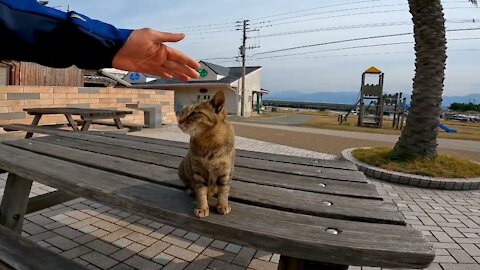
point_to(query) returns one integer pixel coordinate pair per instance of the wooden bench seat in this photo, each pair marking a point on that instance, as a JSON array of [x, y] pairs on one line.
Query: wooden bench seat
[[48, 130], [18, 253]]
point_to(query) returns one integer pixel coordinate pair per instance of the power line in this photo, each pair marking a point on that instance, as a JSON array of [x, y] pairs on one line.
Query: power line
[[219, 25], [353, 26], [341, 27], [330, 11], [343, 41], [314, 8], [355, 39], [211, 32], [350, 55], [333, 28], [345, 15], [216, 26], [360, 54], [358, 47], [330, 6]]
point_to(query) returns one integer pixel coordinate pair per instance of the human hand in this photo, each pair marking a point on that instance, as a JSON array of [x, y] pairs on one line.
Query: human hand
[[145, 52]]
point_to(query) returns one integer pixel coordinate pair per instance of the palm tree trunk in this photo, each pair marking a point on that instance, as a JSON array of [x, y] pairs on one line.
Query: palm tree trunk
[[419, 138]]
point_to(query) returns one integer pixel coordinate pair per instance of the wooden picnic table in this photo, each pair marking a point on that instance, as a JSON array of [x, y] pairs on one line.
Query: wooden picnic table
[[87, 115], [318, 214]]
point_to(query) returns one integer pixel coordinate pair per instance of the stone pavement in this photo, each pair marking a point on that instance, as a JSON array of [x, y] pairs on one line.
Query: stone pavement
[[105, 238]]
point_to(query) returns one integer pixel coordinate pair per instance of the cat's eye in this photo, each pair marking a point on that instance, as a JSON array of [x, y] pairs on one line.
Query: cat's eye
[[192, 114]]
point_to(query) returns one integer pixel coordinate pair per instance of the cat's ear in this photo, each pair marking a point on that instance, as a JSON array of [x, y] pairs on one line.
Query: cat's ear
[[218, 101]]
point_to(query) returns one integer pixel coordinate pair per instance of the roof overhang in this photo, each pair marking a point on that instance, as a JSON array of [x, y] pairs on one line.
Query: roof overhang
[[120, 81], [183, 86], [263, 91]]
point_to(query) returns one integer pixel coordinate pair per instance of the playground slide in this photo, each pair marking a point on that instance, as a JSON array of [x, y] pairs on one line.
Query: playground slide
[[447, 129], [442, 126]]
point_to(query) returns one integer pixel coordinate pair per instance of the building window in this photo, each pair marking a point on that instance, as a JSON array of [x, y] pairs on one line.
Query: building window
[[202, 97]]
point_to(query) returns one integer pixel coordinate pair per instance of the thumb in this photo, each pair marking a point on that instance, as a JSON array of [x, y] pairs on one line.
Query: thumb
[[168, 37]]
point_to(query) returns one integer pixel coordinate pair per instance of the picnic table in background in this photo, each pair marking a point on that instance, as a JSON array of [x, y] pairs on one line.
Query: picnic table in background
[[88, 116], [318, 214]]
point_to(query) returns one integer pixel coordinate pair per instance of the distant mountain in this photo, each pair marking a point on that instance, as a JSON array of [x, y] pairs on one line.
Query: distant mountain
[[474, 98], [352, 97]]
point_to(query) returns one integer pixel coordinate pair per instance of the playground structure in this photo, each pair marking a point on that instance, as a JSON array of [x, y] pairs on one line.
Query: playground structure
[[373, 104]]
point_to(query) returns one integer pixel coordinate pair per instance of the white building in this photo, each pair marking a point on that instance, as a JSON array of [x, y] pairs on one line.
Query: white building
[[213, 78]]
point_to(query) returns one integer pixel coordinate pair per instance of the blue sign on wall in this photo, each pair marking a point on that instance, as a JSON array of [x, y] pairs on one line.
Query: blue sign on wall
[[134, 76]]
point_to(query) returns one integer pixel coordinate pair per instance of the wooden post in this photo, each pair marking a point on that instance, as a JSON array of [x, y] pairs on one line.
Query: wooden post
[[14, 202], [86, 125], [289, 263], [404, 107], [118, 123], [72, 122], [362, 106], [35, 122]]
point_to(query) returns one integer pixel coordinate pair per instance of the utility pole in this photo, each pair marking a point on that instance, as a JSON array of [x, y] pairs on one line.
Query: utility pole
[[243, 50], [243, 54]]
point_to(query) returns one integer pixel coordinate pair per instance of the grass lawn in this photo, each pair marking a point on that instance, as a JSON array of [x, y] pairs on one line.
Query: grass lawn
[[442, 166], [329, 120]]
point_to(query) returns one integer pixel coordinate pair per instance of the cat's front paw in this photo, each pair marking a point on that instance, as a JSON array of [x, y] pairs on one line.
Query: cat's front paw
[[224, 209], [201, 213]]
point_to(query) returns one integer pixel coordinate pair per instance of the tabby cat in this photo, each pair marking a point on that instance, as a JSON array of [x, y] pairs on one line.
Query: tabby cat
[[207, 169]]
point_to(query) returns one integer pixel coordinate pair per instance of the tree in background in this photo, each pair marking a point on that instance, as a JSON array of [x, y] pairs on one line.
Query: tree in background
[[419, 138]]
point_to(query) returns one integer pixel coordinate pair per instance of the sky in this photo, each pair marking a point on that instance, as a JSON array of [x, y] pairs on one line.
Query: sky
[[211, 34]]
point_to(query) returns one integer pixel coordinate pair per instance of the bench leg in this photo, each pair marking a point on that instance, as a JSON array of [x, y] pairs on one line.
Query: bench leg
[[289, 263], [35, 122], [72, 122], [86, 125], [14, 202], [118, 123]]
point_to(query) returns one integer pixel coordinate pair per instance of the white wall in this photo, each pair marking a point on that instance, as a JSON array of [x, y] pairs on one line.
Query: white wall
[[252, 83], [187, 96]]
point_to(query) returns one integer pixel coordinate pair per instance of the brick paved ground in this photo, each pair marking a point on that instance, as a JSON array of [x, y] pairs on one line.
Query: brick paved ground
[[105, 238]]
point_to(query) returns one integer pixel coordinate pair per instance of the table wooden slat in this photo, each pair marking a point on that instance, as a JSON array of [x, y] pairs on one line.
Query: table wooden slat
[[75, 111], [295, 235], [323, 205], [336, 164], [311, 184], [354, 176]]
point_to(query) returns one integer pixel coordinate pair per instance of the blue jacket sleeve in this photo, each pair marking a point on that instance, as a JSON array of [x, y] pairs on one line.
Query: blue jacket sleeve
[[35, 33]]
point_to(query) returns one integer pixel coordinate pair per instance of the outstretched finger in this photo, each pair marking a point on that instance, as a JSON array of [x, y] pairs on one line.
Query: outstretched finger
[[160, 71], [181, 58], [167, 37], [171, 65]]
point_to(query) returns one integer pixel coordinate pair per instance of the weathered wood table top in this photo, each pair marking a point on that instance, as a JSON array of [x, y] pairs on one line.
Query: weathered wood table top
[[302, 208], [78, 111], [87, 115]]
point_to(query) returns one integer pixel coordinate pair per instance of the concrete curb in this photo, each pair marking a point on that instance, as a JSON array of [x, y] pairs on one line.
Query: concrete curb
[[411, 179]]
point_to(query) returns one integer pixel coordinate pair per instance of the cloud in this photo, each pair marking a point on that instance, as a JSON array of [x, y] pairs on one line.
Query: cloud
[[326, 71]]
